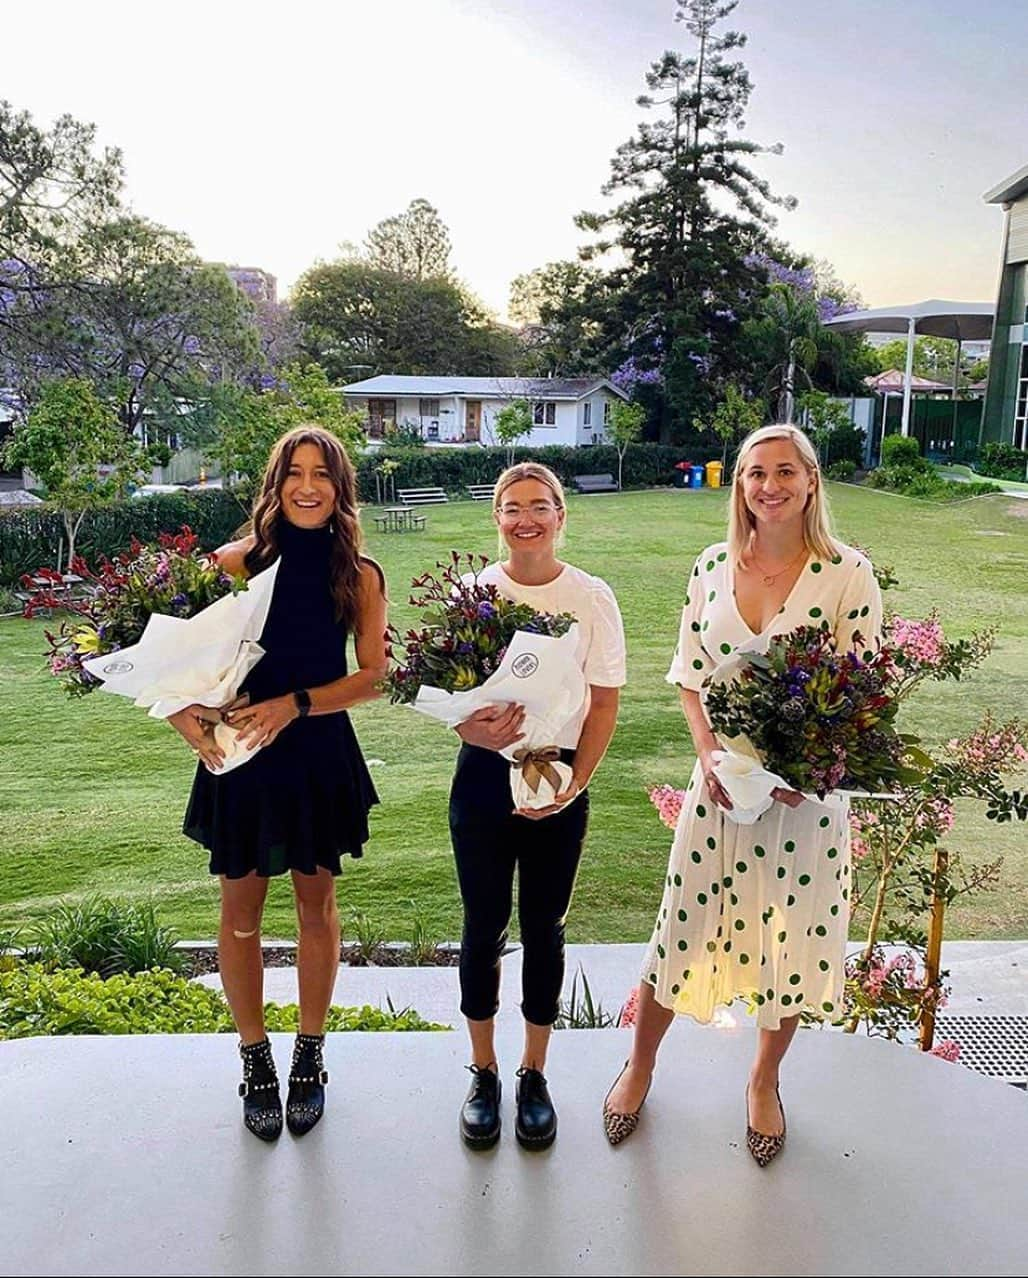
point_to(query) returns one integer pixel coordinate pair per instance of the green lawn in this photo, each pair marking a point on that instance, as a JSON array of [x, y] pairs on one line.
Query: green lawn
[[92, 791]]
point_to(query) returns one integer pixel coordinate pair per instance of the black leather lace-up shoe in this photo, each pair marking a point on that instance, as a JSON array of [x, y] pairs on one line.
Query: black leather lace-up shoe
[[480, 1113], [536, 1126]]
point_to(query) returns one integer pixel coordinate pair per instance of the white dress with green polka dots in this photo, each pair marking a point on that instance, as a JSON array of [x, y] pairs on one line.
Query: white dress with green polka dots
[[758, 911]]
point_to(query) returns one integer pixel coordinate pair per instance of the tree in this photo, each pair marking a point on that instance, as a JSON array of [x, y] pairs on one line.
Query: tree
[[823, 416], [693, 210], [358, 320], [934, 358], [52, 186], [414, 244], [733, 418], [551, 304], [786, 336], [72, 443], [625, 427], [238, 427], [511, 423], [136, 313]]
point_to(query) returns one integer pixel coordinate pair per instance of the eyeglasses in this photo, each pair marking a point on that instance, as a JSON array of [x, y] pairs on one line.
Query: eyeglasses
[[537, 509]]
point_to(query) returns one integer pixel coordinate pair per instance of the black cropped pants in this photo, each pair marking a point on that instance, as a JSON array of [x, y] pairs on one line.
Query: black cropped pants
[[490, 843]]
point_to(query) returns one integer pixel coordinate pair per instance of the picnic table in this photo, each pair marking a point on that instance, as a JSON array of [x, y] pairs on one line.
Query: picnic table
[[399, 519]]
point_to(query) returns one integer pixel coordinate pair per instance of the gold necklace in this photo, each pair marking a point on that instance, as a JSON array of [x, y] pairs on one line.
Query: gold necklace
[[769, 578]]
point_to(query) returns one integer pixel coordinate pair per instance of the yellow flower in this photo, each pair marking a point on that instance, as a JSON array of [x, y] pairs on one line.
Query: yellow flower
[[463, 679]]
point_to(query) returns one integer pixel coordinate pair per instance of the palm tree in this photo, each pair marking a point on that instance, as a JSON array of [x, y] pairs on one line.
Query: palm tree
[[787, 335]]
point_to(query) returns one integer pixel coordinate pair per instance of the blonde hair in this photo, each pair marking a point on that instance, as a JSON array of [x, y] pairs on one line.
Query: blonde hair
[[817, 529], [530, 470]]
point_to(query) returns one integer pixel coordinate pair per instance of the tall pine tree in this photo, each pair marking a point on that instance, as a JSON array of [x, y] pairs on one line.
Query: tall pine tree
[[692, 211]]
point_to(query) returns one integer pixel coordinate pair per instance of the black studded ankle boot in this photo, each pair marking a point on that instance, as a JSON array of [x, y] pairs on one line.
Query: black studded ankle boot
[[305, 1102], [262, 1105]]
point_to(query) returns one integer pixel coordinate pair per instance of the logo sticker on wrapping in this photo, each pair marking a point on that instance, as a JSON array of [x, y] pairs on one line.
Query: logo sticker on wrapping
[[527, 664], [118, 667]]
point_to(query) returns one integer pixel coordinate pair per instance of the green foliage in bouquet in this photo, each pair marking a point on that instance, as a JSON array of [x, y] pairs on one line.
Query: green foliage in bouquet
[[465, 632]]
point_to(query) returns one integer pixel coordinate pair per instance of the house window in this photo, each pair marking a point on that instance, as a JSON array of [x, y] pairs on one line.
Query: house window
[[587, 414], [1020, 435], [544, 414], [606, 412], [381, 414], [428, 407]]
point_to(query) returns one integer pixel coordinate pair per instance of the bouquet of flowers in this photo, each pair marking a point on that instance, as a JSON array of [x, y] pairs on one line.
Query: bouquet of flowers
[[172, 579], [806, 717], [166, 627], [475, 648]]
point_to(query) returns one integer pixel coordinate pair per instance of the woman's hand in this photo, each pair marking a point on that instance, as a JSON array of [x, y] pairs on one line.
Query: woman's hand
[[493, 727], [259, 725], [196, 724], [791, 798], [718, 793], [559, 801]]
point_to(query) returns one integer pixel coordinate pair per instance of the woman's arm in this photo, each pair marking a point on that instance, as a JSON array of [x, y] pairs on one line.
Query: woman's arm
[[260, 724]]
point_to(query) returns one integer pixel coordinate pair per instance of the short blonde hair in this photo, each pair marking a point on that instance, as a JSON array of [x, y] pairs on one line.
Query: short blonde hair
[[530, 470], [817, 529]]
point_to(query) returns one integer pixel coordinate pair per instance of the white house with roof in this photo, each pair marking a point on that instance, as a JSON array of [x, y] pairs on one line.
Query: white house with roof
[[573, 411]]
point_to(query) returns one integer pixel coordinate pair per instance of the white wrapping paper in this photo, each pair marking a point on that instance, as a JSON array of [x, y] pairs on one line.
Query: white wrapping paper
[[543, 675], [199, 660]]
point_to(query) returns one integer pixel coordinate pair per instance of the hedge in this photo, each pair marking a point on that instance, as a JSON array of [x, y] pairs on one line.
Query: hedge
[[645, 465], [31, 539], [37, 1000]]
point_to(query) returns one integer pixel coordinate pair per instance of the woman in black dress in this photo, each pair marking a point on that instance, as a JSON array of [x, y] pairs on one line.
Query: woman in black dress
[[301, 803]]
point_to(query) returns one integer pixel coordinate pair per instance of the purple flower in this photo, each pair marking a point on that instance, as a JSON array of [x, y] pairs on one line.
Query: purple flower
[[486, 610]]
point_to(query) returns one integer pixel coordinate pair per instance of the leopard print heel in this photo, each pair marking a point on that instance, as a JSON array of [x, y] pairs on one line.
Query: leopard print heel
[[763, 1148], [618, 1127]]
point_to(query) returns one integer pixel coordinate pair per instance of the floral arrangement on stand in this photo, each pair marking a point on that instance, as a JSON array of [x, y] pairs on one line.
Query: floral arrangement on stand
[[172, 578]]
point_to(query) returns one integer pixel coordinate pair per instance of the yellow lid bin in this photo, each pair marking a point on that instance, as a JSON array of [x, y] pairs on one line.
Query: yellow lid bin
[[713, 469]]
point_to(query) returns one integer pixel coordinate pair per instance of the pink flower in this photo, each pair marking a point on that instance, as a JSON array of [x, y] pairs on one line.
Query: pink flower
[[919, 641], [668, 802], [629, 1011], [948, 1051]]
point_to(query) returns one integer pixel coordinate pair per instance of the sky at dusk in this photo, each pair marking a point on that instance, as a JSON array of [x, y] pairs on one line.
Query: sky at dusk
[[270, 134]]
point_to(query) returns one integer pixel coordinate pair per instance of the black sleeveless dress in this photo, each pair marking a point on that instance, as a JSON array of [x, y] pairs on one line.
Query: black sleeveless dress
[[301, 802]]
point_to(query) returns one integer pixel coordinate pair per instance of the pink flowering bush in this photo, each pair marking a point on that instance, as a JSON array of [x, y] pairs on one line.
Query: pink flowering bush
[[668, 802]]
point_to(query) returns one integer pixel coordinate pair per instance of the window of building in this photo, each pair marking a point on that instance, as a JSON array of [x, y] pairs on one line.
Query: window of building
[[1020, 436], [428, 407], [381, 413], [587, 414], [606, 412], [544, 414]]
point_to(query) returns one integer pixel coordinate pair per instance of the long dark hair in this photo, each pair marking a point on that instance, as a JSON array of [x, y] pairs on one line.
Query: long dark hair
[[347, 540]]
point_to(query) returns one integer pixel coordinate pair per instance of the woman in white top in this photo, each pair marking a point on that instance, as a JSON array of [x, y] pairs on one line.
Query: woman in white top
[[492, 841], [757, 911]]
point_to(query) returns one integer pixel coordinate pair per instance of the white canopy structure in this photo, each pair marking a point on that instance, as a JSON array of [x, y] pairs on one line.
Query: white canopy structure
[[959, 321]]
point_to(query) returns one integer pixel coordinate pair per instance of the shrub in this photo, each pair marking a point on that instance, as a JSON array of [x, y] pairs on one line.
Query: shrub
[[105, 936], [31, 539], [35, 1000], [645, 465], [902, 450], [845, 468], [1002, 461]]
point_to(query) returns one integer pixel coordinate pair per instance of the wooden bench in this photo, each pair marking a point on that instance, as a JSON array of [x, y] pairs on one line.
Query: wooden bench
[[421, 496], [480, 492], [595, 484]]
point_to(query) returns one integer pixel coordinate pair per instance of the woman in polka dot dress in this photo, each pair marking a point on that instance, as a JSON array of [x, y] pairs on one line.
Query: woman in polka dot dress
[[755, 911]]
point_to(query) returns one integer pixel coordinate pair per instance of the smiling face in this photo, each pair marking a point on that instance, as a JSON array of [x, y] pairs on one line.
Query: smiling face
[[528, 517], [308, 495], [776, 485]]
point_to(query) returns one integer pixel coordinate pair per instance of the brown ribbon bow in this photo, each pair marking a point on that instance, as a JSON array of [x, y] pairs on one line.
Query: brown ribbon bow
[[536, 764]]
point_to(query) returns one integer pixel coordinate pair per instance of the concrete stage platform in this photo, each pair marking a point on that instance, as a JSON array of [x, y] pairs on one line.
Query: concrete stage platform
[[128, 1156]]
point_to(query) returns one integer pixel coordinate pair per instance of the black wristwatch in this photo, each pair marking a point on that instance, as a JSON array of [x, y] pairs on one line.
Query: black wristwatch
[[303, 702]]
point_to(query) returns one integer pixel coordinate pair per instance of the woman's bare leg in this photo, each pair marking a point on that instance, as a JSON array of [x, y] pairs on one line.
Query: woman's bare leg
[[317, 958], [651, 1024], [239, 953], [764, 1114]]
